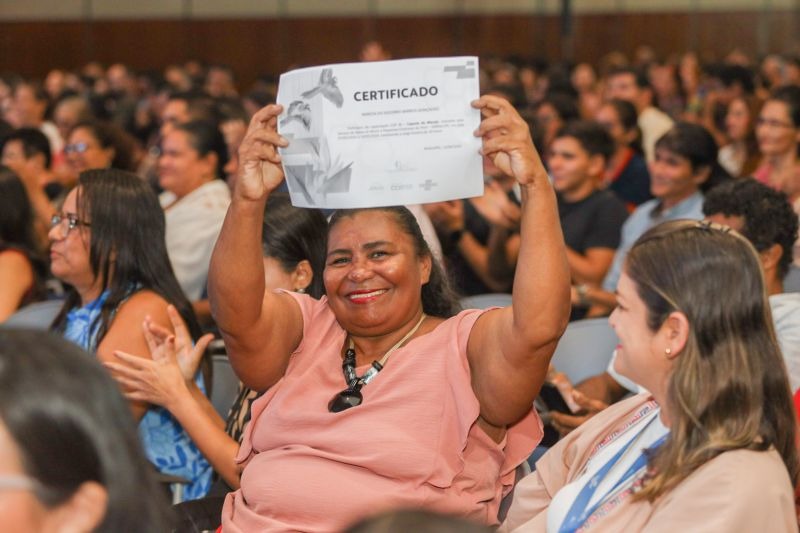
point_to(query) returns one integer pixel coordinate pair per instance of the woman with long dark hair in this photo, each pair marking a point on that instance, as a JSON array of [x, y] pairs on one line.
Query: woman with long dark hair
[[293, 244], [107, 244]]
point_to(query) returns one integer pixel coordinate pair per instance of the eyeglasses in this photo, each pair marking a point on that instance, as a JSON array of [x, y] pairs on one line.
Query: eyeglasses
[[772, 123], [77, 148], [67, 222]]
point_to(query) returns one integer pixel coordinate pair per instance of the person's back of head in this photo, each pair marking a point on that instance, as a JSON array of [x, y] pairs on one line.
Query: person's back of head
[[76, 438], [767, 217], [737, 76], [292, 234]]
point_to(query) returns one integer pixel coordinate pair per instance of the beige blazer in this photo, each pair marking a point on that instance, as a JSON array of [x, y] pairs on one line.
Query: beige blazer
[[737, 491]]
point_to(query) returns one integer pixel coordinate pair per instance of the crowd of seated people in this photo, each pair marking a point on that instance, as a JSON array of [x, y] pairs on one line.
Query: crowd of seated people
[[156, 195]]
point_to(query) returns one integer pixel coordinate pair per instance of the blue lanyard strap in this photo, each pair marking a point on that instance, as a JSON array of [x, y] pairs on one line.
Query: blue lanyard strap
[[579, 512]]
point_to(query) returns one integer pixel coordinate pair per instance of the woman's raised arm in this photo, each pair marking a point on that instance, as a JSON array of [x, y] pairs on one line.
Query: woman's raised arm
[[509, 349], [261, 329]]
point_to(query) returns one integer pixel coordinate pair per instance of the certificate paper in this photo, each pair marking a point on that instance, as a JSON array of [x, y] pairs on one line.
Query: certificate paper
[[381, 133]]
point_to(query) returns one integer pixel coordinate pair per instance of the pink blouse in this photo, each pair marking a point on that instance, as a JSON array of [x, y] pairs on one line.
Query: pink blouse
[[413, 442]]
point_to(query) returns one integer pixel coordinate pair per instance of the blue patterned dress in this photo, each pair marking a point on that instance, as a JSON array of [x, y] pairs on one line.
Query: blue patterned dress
[[165, 442]]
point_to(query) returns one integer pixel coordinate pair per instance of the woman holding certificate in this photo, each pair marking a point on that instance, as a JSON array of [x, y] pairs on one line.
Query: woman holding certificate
[[381, 395]]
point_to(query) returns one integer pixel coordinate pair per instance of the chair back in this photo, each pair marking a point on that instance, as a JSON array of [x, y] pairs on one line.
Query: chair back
[[38, 315], [585, 349], [225, 384], [484, 301]]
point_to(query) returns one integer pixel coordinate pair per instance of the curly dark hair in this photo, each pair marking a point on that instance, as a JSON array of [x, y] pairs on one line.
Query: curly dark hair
[[768, 216]]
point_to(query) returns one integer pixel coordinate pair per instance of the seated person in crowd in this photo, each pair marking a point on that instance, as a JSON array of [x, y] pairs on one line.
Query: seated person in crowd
[[765, 217], [465, 229], [293, 243], [22, 267], [778, 134], [196, 197], [108, 245], [717, 411], [95, 144], [632, 85], [26, 151], [591, 219], [381, 386], [626, 173], [68, 450], [685, 166]]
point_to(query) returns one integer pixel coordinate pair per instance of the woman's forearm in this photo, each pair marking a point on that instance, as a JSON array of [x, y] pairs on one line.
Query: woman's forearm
[[541, 300], [218, 448]]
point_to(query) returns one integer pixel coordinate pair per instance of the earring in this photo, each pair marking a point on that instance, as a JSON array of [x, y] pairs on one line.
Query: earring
[[668, 351], [301, 290]]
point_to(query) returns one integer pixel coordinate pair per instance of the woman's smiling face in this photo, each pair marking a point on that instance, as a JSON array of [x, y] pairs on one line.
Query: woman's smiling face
[[373, 275]]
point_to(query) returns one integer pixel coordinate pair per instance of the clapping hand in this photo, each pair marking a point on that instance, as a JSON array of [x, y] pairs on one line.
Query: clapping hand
[[161, 380]]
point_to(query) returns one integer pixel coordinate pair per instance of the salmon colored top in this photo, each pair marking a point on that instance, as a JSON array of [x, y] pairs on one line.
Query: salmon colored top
[[413, 442]]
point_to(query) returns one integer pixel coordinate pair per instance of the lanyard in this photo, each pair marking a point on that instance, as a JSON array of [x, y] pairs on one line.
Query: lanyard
[[579, 511]]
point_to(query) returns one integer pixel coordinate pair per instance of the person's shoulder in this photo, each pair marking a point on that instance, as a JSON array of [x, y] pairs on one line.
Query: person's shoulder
[[745, 474], [785, 302], [15, 258], [143, 301], [644, 210], [608, 200]]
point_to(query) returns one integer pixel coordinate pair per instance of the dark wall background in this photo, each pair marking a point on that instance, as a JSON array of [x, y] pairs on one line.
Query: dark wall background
[[256, 46]]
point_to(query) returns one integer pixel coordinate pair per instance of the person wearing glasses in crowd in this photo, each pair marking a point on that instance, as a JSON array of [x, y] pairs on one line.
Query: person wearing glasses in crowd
[[381, 395], [712, 445], [94, 144], [778, 134], [108, 245]]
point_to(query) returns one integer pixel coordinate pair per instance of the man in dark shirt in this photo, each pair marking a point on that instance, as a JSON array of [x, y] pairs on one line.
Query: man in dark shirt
[[591, 219]]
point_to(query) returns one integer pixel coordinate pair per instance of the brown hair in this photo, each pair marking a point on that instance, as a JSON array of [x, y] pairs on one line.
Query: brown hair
[[728, 389]]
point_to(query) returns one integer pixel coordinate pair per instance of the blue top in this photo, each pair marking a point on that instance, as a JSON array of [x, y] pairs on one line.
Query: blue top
[[645, 217], [165, 442]]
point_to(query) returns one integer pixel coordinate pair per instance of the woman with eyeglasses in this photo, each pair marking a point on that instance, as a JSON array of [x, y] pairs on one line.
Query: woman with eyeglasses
[[93, 144], [778, 134], [69, 456], [381, 394], [711, 445], [22, 268], [107, 244], [293, 245], [741, 156]]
